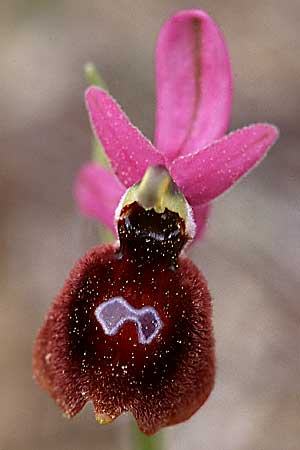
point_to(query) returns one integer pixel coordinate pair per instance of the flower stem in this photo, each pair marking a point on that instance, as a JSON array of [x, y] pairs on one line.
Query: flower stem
[[143, 442], [93, 77]]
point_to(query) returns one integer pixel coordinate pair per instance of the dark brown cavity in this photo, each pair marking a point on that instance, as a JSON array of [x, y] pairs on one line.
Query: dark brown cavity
[[148, 235]]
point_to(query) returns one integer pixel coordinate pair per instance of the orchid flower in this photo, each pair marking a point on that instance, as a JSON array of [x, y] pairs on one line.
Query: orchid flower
[[131, 329]]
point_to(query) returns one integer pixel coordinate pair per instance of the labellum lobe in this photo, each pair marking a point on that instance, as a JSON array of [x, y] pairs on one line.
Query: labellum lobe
[[131, 330]]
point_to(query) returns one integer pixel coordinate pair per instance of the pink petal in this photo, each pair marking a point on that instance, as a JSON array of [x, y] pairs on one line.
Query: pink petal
[[194, 84], [97, 192], [201, 214], [209, 172], [129, 151]]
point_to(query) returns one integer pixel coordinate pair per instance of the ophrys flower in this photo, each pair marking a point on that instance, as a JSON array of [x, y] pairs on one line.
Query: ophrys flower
[[131, 330]]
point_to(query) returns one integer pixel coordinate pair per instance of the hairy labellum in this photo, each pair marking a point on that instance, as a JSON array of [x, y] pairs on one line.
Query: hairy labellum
[[131, 330]]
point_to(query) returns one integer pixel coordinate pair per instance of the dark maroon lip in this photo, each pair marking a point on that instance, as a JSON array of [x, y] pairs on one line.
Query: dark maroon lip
[[131, 330], [163, 381]]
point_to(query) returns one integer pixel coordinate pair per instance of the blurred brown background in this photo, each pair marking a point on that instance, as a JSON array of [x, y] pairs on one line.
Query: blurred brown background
[[250, 254]]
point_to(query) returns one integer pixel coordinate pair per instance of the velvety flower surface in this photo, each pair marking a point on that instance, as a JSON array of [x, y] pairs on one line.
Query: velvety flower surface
[[76, 361], [131, 329], [194, 97]]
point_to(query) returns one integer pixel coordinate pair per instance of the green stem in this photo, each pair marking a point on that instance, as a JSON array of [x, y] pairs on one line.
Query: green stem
[[93, 77], [143, 442]]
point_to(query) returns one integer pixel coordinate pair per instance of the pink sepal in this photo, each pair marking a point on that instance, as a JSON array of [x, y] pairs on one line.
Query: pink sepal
[[204, 175], [194, 84], [130, 153], [97, 192]]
